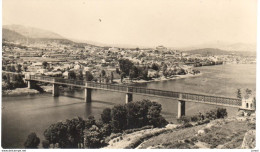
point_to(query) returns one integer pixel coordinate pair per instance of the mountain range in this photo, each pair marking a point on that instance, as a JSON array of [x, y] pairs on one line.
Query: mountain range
[[24, 34]]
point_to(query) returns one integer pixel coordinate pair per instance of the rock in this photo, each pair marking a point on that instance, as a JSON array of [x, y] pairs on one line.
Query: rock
[[202, 131], [241, 118], [249, 140]]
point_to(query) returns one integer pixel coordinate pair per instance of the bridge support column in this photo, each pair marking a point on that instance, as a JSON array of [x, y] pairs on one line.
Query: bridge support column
[[55, 90], [31, 84], [88, 94], [129, 96], [181, 108]]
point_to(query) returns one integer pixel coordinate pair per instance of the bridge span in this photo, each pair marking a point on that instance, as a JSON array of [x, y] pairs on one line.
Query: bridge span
[[182, 97]]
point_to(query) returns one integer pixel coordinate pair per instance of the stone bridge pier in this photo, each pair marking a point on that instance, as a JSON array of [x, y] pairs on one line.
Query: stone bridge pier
[[88, 93], [181, 107], [31, 84], [129, 96], [55, 90]]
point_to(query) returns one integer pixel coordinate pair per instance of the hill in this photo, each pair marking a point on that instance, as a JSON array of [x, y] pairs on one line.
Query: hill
[[31, 32], [208, 51], [23, 34], [12, 36]]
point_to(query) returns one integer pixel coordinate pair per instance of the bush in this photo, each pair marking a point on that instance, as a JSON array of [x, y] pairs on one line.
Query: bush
[[67, 134], [93, 137], [32, 141], [184, 119], [106, 115], [45, 144]]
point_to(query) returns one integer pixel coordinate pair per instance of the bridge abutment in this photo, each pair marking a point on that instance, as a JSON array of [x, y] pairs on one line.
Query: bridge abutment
[[88, 94]]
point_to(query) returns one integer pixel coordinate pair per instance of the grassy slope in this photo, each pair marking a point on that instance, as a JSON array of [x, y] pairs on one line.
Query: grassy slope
[[226, 134]]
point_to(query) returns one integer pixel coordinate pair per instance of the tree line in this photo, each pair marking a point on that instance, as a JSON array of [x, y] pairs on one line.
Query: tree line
[[91, 133]]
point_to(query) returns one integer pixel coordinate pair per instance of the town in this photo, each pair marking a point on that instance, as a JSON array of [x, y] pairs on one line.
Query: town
[[72, 60]]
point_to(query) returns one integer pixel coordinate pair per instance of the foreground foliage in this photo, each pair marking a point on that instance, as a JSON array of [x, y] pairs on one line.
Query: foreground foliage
[[79, 133]]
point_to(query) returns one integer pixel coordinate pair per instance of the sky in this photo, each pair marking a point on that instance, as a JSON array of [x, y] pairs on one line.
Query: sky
[[172, 23]]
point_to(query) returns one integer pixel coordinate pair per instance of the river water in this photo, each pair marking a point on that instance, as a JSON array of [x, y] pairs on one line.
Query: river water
[[34, 113]]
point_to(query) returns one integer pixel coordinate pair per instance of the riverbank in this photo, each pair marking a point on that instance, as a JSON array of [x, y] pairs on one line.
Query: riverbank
[[26, 91], [118, 81]]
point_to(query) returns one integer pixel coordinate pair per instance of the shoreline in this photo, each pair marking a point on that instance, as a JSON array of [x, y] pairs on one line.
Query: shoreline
[[117, 81]]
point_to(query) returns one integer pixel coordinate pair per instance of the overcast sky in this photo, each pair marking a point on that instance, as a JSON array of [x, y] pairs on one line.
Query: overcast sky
[[173, 23]]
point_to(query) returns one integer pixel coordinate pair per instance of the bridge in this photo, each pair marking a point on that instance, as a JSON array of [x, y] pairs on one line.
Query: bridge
[[182, 97]]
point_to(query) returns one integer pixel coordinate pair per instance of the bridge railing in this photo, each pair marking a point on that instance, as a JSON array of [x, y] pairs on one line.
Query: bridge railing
[[43, 78], [107, 86], [153, 92], [212, 99]]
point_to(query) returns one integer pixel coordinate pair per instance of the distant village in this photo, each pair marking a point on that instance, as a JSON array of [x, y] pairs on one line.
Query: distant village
[[78, 61]]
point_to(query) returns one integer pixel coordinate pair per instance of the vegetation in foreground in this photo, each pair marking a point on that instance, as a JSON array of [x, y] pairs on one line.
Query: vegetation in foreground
[[220, 133], [79, 133]]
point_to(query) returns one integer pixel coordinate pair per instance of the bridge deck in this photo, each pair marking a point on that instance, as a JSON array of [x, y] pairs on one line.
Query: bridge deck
[[216, 100]]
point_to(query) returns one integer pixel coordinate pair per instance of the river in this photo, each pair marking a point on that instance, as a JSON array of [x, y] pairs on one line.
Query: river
[[34, 113]]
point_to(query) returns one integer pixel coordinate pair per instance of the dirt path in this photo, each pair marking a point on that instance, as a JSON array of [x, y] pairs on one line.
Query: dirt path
[[125, 140]]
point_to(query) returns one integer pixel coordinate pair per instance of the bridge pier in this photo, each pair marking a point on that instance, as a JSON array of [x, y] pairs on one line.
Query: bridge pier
[[55, 90], [31, 84], [88, 94], [181, 108], [129, 96]]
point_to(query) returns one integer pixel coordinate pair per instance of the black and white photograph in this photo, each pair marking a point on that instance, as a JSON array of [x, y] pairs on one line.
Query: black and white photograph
[[129, 74]]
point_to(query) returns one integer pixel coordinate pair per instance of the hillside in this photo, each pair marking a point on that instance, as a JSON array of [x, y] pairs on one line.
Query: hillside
[[208, 51], [31, 32], [12, 36], [22, 34]]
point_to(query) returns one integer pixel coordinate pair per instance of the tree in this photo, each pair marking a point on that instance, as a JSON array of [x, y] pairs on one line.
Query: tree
[[89, 76], [122, 76], [72, 75], [254, 102], [248, 93], [239, 94], [93, 137], [18, 68], [67, 134], [90, 122], [106, 115], [118, 115], [80, 76], [125, 65], [117, 71], [155, 67], [45, 144], [45, 64], [103, 73], [32, 141], [111, 76]]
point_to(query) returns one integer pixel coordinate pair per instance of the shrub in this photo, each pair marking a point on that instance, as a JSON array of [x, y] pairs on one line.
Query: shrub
[[106, 115], [67, 134], [93, 137], [184, 119], [221, 113], [32, 141], [45, 144], [119, 118]]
